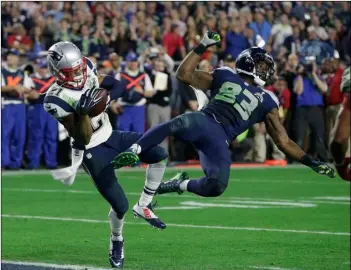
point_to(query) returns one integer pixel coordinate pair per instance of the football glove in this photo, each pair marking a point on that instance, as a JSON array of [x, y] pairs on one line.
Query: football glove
[[210, 38], [88, 100], [323, 168]]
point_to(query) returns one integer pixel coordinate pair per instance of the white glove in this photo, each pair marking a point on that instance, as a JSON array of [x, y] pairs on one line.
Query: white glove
[[210, 38]]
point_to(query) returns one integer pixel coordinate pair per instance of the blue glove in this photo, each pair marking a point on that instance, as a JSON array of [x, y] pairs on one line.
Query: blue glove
[[88, 100], [323, 168]]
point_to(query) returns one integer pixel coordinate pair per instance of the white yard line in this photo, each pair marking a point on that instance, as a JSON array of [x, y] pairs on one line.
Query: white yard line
[[182, 225], [58, 266], [85, 267], [269, 267], [325, 200], [138, 169]]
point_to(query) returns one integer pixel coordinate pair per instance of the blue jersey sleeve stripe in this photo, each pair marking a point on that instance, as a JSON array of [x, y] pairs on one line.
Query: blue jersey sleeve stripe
[[91, 66], [59, 102]]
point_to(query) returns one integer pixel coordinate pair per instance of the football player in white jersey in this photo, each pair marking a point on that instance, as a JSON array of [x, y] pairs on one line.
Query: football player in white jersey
[[70, 100]]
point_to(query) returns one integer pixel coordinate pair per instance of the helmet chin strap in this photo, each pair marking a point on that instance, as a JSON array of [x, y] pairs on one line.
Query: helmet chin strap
[[259, 81]]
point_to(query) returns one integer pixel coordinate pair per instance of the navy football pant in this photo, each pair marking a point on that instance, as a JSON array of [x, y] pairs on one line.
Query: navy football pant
[[209, 138], [97, 164], [42, 135], [13, 135]]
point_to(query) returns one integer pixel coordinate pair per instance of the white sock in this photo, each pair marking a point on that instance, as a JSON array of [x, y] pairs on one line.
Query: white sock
[[136, 148], [154, 176], [116, 225], [184, 185]]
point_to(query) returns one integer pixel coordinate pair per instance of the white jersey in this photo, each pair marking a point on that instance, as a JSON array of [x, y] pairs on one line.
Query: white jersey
[[61, 101]]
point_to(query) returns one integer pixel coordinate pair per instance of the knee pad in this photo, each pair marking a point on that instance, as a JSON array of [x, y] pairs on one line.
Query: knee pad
[[214, 187]]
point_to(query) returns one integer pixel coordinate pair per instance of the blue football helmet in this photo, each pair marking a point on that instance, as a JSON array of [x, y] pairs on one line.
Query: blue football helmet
[[255, 62]]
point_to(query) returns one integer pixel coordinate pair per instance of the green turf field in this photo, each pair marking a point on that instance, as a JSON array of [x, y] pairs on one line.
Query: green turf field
[[289, 218]]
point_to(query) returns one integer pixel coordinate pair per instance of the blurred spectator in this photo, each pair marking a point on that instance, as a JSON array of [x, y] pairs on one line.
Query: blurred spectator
[[101, 38], [259, 151], [241, 146], [85, 43], [38, 41], [315, 47], [321, 33], [280, 31], [236, 42], [280, 89], [138, 87], [49, 30], [158, 109], [63, 33], [299, 11], [174, 44], [260, 26], [344, 13], [14, 85], [293, 42], [75, 32], [42, 128], [123, 40], [334, 96], [309, 88], [116, 64], [55, 11], [18, 39], [229, 61]]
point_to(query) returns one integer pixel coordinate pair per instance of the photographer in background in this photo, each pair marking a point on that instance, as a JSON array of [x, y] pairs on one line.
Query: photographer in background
[[310, 88], [333, 69]]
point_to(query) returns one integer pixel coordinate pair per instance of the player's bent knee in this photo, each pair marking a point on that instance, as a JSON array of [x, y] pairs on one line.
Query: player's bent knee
[[120, 207], [214, 187]]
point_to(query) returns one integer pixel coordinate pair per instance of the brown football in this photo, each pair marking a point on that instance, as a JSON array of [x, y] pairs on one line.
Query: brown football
[[101, 105]]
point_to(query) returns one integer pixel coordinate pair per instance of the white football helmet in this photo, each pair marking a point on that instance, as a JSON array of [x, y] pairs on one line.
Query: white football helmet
[[67, 64]]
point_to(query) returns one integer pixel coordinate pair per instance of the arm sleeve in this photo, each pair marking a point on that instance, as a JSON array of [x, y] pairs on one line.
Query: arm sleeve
[[2, 80], [57, 107], [28, 82], [169, 62], [114, 86]]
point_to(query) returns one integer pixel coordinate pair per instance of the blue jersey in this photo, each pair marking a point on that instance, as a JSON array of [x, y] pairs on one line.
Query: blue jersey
[[12, 78], [236, 104], [41, 85]]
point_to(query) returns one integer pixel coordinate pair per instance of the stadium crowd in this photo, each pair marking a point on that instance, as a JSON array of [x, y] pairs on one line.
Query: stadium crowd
[[142, 43]]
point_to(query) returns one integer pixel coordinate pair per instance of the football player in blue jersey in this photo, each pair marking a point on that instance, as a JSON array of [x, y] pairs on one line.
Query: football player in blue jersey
[[237, 102]]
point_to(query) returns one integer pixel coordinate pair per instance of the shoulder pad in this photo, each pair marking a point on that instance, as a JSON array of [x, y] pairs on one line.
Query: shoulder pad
[[56, 106], [273, 96]]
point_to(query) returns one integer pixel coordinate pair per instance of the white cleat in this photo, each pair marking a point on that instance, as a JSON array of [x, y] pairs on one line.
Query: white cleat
[[146, 213]]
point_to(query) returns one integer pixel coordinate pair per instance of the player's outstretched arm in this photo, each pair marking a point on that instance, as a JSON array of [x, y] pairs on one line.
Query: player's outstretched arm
[[276, 130], [187, 70]]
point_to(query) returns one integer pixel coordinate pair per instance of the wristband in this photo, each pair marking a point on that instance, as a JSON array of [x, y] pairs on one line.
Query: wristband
[[306, 160], [200, 49]]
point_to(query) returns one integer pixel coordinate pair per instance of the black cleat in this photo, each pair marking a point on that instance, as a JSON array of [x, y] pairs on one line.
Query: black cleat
[[116, 255], [173, 185]]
